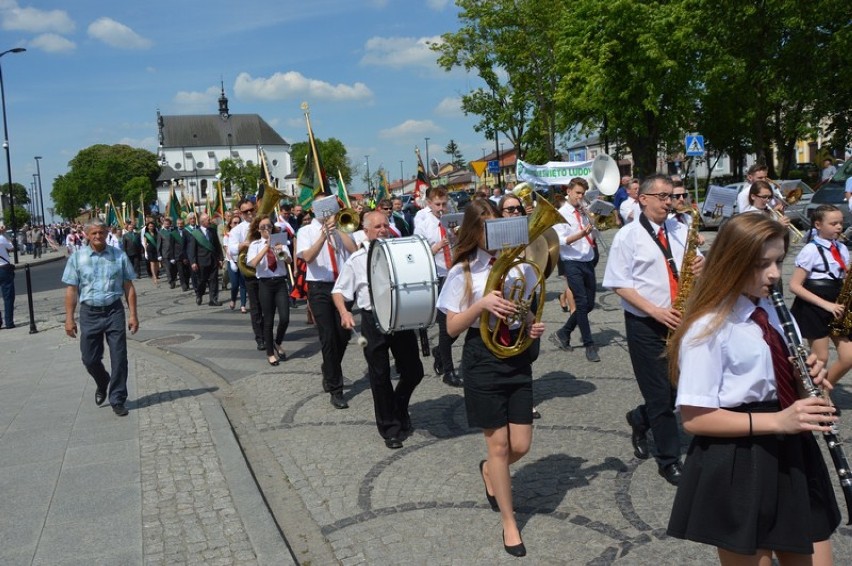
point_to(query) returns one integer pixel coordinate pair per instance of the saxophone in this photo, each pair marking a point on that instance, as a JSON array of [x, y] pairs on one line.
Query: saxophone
[[843, 326], [686, 278]]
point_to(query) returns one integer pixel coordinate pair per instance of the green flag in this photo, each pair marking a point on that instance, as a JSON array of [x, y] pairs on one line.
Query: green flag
[[173, 206], [383, 191], [308, 185]]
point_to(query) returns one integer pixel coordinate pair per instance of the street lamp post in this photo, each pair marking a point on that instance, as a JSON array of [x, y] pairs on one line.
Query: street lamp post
[[8, 159], [40, 195], [401, 178], [369, 181], [33, 200]]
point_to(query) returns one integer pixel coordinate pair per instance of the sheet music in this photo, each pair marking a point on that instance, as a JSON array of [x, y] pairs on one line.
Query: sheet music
[[719, 202], [501, 233]]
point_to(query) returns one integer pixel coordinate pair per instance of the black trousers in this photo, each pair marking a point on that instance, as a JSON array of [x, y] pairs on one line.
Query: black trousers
[[332, 335], [581, 280], [646, 342], [183, 271], [171, 270], [208, 275], [445, 341], [136, 262], [273, 297], [96, 325], [255, 312], [391, 405]]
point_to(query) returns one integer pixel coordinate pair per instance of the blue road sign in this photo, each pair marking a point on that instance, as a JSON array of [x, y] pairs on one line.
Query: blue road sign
[[694, 146], [494, 166]]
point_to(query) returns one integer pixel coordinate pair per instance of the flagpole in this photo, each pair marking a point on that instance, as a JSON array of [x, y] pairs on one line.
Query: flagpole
[[314, 147]]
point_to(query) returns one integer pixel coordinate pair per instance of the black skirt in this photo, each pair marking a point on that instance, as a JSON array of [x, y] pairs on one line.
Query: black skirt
[[813, 321], [496, 391], [769, 492]]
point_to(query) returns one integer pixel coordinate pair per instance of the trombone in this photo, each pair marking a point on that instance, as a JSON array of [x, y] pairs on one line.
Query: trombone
[[790, 199]]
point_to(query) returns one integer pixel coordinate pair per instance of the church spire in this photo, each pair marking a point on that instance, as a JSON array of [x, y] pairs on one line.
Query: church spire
[[223, 104]]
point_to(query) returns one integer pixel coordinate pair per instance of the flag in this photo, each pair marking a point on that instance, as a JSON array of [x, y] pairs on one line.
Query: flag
[[383, 192], [309, 184], [111, 218], [173, 207], [422, 182], [264, 178], [218, 202], [342, 194], [320, 179]]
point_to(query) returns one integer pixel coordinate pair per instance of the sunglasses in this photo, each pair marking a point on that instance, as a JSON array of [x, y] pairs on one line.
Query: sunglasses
[[679, 195], [265, 227], [513, 209], [247, 210]]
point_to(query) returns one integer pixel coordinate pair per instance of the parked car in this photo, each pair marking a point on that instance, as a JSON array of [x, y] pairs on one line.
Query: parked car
[[833, 192], [461, 199], [796, 212]]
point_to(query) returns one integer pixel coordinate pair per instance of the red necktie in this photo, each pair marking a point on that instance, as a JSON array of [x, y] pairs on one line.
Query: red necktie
[[271, 262], [333, 257], [447, 259], [661, 236], [780, 362], [580, 222], [835, 253]]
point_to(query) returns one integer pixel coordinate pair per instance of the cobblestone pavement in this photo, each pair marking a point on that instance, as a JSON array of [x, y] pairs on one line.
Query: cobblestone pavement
[[341, 497]]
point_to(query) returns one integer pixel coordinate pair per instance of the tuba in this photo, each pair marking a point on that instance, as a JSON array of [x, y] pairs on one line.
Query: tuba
[[267, 206], [510, 267]]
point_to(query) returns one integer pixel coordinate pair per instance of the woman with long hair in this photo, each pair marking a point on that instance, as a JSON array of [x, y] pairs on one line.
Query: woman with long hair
[[269, 254], [235, 276], [754, 482], [149, 244], [497, 392]]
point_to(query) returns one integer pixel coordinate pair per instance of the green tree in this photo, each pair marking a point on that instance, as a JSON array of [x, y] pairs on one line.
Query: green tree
[[333, 155], [101, 171], [240, 176], [20, 193], [455, 154], [21, 216]]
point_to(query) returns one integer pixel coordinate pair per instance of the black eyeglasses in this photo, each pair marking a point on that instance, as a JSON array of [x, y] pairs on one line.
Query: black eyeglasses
[[247, 210], [513, 209], [661, 196], [765, 197]]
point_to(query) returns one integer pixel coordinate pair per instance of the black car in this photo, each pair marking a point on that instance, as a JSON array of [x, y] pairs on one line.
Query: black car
[[461, 199], [834, 192]]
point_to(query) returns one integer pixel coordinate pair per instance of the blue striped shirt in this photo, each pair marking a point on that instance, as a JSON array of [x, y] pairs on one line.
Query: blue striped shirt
[[99, 277]]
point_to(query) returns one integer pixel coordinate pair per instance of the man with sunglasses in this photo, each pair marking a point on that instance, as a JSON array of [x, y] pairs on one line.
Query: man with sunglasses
[[642, 269], [577, 254], [237, 242]]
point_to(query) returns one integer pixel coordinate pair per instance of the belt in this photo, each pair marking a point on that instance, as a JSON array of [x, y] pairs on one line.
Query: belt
[[276, 278], [6, 266], [107, 308], [321, 283]]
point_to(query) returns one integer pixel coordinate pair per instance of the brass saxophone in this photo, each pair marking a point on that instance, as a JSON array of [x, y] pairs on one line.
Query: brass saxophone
[[686, 278], [843, 326]]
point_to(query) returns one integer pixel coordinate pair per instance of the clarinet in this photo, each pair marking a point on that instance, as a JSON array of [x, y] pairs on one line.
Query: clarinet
[[799, 354], [424, 342]]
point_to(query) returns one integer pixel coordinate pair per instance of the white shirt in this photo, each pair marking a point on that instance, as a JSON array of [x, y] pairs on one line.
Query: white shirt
[[730, 367], [359, 237], [237, 236], [5, 246], [353, 283], [262, 270], [429, 227], [112, 240], [636, 262], [579, 250], [750, 208], [811, 260], [321, 268], [630, 210], [452, 297]]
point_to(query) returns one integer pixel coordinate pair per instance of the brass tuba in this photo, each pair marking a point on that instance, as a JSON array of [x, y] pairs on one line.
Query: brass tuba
[[511, 267], [266, 207]]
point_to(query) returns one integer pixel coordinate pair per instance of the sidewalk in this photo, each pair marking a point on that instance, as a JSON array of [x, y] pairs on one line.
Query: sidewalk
[[167, 484]]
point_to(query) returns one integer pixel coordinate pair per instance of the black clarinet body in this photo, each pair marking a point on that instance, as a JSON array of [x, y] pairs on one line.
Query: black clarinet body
[[799, 354], [424, 343]]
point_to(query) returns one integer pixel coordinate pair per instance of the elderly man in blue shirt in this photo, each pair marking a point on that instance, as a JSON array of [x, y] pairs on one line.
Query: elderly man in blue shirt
[[97, 277]]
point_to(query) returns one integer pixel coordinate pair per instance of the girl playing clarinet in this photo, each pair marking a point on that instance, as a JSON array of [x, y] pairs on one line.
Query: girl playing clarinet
[[754, 481], [820, 269]]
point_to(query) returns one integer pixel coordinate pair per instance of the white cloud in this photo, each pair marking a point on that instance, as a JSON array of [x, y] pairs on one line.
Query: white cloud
[[450, 106], [52, 43], [34, 20], [191, 101], [289, 85], [410, 128], [437, 5], [116, 34], [398, 52]]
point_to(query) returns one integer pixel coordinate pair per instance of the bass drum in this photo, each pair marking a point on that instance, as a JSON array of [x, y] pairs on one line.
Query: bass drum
[[403, 283]]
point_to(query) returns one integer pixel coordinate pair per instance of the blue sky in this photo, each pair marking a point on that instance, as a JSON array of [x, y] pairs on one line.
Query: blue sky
[[97, 71]]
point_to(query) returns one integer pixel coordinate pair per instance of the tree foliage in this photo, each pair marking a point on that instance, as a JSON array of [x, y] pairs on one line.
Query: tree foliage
[[101, 171], [333, 155], [242, 177], [455, 154], [20, 193], [22, 216]]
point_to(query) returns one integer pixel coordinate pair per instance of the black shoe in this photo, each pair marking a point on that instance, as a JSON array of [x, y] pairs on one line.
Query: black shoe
[[672, 473], [215, 304], [197, 300], [184, 289], [518, 550], [120, 410], [561, 341], [437, 365], [536, 414], [393, 443], [592, 353], [492, 501], [261, 345], [172, 285], [452, 379], [338, 402], [639, 439], [100, 396]]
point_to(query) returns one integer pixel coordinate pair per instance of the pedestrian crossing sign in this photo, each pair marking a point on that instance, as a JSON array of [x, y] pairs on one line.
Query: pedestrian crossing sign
[[694, 146]]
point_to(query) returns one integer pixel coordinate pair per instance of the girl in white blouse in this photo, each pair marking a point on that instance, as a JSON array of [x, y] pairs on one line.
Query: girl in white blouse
[[498, 392], [269, 254], [821, 267], [754, 481]]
